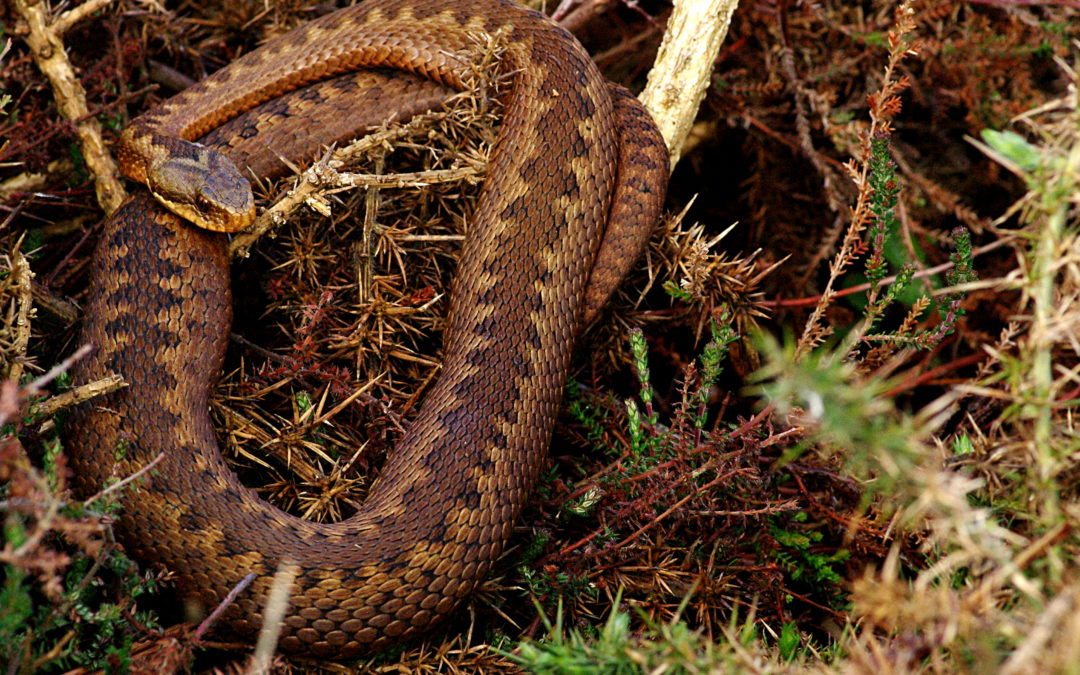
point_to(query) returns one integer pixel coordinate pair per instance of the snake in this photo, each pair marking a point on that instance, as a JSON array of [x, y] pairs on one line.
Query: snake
[[576, 180]]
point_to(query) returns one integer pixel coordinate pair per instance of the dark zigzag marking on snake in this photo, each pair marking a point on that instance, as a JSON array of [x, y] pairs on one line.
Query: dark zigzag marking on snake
[[437, 520]]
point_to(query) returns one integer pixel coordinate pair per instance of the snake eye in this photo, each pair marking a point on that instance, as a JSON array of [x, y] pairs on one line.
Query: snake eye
[[202, 203]]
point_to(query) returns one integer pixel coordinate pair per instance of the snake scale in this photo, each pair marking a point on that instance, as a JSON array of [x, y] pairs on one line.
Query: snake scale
[[576, 180]]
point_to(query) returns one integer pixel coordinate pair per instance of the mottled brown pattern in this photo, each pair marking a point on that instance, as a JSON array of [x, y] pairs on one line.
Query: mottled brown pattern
[[568, 154]]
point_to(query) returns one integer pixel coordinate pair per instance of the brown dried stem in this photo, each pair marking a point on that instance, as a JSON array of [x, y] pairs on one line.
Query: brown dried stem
[[881, 114], [323, 177]]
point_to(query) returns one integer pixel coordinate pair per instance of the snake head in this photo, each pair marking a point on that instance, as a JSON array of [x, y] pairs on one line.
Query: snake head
[[203, 186]]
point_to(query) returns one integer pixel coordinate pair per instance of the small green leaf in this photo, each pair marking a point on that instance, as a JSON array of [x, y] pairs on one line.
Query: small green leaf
[[1013, 147]]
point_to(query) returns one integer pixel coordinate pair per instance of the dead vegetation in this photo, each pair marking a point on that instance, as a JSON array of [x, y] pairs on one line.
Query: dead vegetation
[[887, 484]]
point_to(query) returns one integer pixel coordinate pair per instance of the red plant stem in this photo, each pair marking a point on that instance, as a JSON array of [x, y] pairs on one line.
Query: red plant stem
[[928, 375], [813, 300]]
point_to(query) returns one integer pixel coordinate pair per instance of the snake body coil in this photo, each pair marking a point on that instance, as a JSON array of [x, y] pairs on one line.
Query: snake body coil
[[571, 155]]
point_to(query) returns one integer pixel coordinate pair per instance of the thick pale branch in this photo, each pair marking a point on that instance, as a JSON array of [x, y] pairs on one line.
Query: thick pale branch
[[684, 65]]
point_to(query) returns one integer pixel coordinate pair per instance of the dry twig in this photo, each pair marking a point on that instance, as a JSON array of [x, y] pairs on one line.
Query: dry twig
[[46, 44], [684, 66]]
